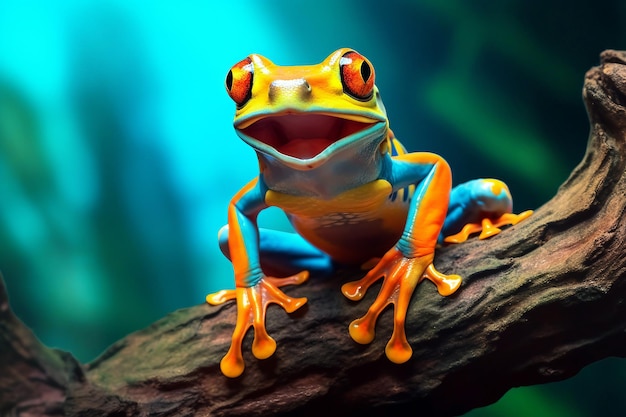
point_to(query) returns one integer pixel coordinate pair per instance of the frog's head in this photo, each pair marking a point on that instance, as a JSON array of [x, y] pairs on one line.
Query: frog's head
[[305, 115]]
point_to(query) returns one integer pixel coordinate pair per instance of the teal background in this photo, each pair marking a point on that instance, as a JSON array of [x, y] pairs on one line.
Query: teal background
[[118, 158]]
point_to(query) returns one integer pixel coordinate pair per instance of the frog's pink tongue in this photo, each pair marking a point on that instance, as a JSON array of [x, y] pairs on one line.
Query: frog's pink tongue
[[304, 148]]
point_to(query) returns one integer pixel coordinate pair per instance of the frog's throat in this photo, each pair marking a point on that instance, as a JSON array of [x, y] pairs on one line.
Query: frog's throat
[[315, 142]]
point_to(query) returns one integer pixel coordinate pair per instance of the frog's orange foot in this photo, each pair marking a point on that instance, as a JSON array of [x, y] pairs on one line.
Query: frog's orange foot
[[401, 276], [252, 305], [487, 227]]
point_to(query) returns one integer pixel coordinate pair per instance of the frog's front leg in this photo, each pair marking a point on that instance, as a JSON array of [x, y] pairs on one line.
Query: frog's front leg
[[254, 290], [411, 259]]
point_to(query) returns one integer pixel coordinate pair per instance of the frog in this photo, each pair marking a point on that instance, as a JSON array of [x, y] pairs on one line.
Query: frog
[[352, 192]]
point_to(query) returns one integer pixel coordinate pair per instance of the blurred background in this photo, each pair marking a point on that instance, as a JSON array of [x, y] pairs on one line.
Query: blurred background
[[118, 157]]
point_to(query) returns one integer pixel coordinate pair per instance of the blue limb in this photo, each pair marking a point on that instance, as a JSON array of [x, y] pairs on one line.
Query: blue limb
[[475, 200], [283, 253]]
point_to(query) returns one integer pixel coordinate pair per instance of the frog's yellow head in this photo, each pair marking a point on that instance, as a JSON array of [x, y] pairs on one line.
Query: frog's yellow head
[[305, 114]]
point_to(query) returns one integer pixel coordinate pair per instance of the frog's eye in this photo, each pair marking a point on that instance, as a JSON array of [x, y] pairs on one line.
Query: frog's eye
[[357, 75], [239, 81]]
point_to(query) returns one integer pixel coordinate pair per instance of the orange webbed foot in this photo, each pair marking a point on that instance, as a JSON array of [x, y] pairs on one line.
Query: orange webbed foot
[[401, 276], [252, 304], [487, 227]]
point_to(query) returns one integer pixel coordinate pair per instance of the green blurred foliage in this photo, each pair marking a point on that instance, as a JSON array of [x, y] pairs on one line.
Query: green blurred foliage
[[117, 156]]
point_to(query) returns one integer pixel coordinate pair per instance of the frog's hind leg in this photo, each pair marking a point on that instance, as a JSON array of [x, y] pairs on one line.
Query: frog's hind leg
[[283, 253], [482, 205]]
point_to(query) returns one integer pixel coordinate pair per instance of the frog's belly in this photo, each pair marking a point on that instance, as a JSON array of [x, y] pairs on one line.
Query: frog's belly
[[351, 227], [353, 238]]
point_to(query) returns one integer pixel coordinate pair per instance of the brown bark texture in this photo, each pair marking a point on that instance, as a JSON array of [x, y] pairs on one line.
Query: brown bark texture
[[539, 301]]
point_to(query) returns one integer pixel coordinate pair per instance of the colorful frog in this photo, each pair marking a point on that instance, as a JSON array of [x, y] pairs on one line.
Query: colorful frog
[[353, 194]]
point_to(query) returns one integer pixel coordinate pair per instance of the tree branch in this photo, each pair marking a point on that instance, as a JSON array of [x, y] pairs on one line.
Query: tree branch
[[539, 301]]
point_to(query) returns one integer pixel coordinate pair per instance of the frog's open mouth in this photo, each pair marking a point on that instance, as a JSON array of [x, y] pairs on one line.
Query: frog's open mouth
[[303, 136]]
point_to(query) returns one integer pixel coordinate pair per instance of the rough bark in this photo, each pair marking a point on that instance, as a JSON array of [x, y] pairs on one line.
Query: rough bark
[[539, 301]]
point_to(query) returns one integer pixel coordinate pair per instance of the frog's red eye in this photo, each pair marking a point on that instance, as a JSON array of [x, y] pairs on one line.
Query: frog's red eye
[[239, 81], [357, 75]]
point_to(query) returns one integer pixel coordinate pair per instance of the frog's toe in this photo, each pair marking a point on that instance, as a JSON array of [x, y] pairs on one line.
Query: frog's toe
[[232, 364], [398, 349], [363, 330], [512, 219], [355, 290], [446, 284], [295, 279], [221, 297], [263, 345], [274, 295], [464, 234], [392, 268], [487, 227]]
